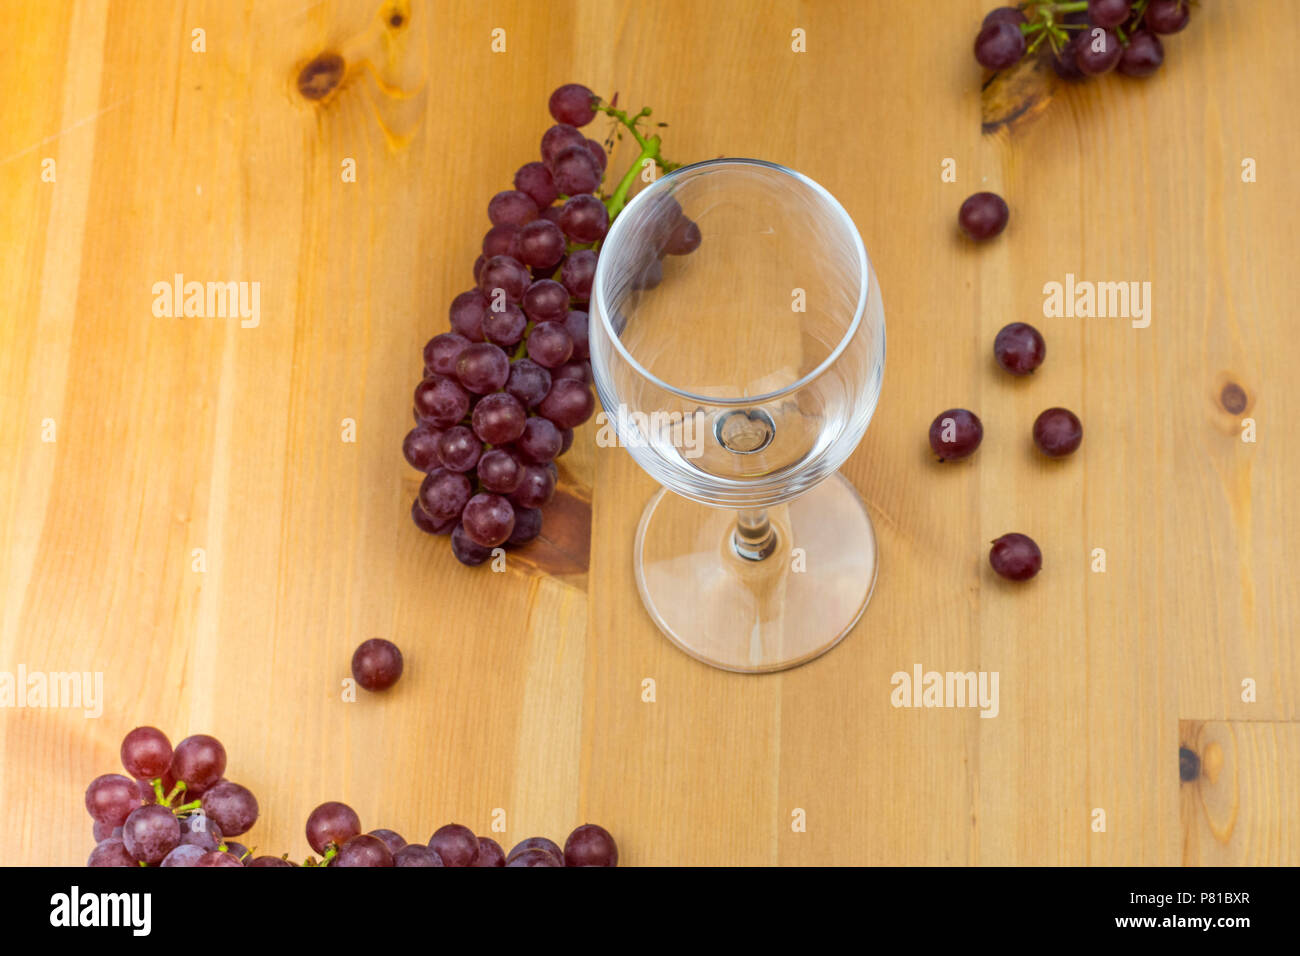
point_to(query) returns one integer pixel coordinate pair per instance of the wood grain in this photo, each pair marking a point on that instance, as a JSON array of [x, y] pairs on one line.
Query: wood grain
[[524, 690]]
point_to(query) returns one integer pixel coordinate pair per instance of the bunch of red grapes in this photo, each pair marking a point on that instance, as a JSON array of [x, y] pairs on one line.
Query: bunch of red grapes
[[1085, 37], [177, 809], [504, 389]]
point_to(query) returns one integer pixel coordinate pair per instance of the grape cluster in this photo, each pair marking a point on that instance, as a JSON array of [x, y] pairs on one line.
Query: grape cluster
[[504, 389], [1085, 37], [177, 809]]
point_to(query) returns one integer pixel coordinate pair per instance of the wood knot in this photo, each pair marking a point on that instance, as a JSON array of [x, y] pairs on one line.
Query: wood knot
[[321, 76], [1233, 398]]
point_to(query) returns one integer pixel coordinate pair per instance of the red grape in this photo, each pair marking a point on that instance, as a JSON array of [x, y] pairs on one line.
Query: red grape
[[443, 494], [999, 45], [536, 843], [146, 753], [535, 180], [440, 401], [528, 525], [549, 345], [1107, 13], [467, 311], [200, 761], [459, 448], [1019, 348], [546, 301], [577, 273], [511, 207], [112, 852], [499, 471], [489, 853], [577, 324], [466, 549], [575, 171], [541, 243], [584, 218], [955, 434], [535, 488], [498, 418], [110, 798], [231, 807], [502, 240], [427, 524], [569, 403], [1167, 16], [528, 382], [1057, 432], [332, 822], [456, 844], [482, 368], [416, 854], [377, 664], [505, 328], [441, 352], [505, 273], [1016, 557], [983, 215], [420, 446], [1143, 55], [556, 140], [534, 858], [590, 845], [150, 833], [488, 519], [683, 239], [1099, 54], [363, 850], [540, 440], [573, 103]]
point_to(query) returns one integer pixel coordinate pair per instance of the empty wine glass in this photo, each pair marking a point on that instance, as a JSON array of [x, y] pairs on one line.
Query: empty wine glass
[[741, 376]]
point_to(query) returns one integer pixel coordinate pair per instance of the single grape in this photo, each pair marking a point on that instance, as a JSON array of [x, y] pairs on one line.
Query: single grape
[[187, 854], [111, 852], [457, 845], [197, 830], [200, 761], [443, 495], [488, 519], [482, 368], [535, 488], [150, 833], [999, 44], [1016, 557], [363, 850], [466, 549], [534, 858], [499, 471], [556, 140], [590, 845], [1098, 54], [332, 822], [528, 525], [955, 434], [528, 382], [459, 449], [549, 345], [377, 664], [1143, 55], [467, 311], [502, 240], [102, 831], [683, 239], [1065, 61], [546, 301], [598, 154], [575, 171], [511, 207], [269, 861], [574, 369], [505, 273], [238, 851], [577, 273], [427, 524], [648, 275], [231, 807], [566, 442], [478, 267], [552, 214], [568, 404], [110, 798], [1108, 13], [440, 400], [577, 324], [573, 104], [541, 244], [393, 840], [499, 418], [584, 218], [1167, 16], [983, 215], [420, 446], [1009, 14], [146, 753], [489, 853], [1019, 348], [536, 843], [441, 352], [1057, 432], [218, 858], [416, 854], [535, 180], [540, 440], [505, 328]]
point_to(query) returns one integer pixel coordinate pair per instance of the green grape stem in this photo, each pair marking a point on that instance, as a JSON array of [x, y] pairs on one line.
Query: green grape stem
[[650, 150]]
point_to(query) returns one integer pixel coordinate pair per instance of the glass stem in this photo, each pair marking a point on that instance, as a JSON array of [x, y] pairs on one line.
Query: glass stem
[[754, 538]]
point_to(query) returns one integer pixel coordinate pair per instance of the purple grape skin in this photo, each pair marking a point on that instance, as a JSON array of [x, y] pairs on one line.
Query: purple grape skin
[[499, 471], [546, 301], [459, 448], [1019, 348], [1065, 62], [574, 171], [499, 418], [511, 207], [536, 487], [552, 215], [416, 854], [1010, 14], [489, 853], [187, 854], [377, 664], [102, 831], [1057, 432], [1167, 16], [566, 442], [584, 218], [501, 272], [572, 104], [231, 807], [534, 858], [1143, 55], [200, 761], [549, 345], [556, 140], [393, 840], [363, 850], [577, 273], [577, 324], [218, 858], [535, 180], [440, 400], [146, 753], [420, 447], [598, 153], [983, 215], [488, 519], [590, 845], [967, 433], [456, 844], [568, 404], [197, 830], [441, 352], [528, 382], [1108, 13], [999, 44], [331, 822], [541, 244], [111, 798], [505, 328], [467, 311], [427, 524], [1093, 62], [684, 239], [540, 441], [482, 368], [466, 549], [238, 851], [536, 843], [501, 240], [443, 494], [262, 861], [478, 267], [528, 525], [1015, 557], [111, 852], [150, 833]]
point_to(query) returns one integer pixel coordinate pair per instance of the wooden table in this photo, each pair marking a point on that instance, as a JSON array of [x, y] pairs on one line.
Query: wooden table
[[523, 690]]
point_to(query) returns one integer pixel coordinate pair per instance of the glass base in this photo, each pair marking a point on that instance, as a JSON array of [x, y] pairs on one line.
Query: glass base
[[757, 616]]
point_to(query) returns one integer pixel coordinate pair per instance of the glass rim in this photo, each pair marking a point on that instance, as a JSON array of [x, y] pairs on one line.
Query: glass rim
[[620, 222]]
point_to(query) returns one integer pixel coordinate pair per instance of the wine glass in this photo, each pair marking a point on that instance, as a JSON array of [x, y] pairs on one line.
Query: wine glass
[[740, 375]]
